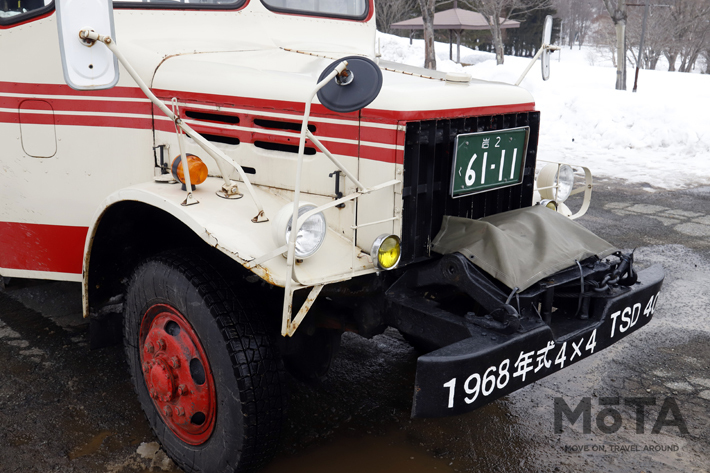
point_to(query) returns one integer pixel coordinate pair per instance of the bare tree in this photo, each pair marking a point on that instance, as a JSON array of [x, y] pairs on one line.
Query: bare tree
[[688, 33], [577, 17], [392, 11], [618, 13], [427, 9], [604, 36], [694, 29], [497, 12], [657, 36]]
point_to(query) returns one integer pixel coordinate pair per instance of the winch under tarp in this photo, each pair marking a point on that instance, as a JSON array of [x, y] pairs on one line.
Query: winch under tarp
[[520, 247]]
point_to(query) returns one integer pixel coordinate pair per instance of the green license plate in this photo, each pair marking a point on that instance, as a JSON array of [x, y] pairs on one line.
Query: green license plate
[[488, 160]]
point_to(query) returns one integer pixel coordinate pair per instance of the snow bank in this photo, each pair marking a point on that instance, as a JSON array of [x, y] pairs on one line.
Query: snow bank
[[659, 136]]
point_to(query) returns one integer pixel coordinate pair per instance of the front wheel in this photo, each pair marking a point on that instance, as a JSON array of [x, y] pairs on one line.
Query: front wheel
[[205, 370]]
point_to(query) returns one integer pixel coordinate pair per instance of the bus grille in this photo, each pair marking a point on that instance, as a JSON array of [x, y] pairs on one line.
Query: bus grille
[[428, 154]]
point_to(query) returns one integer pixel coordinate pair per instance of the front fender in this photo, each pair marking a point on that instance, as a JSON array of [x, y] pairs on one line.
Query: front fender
[[227, 226]]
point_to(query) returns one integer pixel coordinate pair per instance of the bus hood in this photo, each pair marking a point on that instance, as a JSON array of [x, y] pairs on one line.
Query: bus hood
[[286, 78]]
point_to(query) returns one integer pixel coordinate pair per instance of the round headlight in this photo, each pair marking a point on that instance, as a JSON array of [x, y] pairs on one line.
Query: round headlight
[[555, 182], [311, 234], [386, 251]]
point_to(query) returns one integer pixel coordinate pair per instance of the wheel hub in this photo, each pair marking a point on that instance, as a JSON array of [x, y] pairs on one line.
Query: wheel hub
[[177, 374], [161, 380]]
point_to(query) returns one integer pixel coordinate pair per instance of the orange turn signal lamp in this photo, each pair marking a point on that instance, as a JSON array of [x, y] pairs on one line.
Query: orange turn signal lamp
[[197, 169]]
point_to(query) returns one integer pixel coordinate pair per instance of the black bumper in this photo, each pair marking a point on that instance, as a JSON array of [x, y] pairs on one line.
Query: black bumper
[[469, 373]]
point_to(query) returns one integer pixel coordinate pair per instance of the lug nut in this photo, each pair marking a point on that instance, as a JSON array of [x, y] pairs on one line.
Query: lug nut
[[161, 345], [175, 362], [150, 348], [167, 411], [182, 390], [179, 411]]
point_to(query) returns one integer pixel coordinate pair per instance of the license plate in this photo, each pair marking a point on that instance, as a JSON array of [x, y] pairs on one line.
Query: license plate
[[488, 160]]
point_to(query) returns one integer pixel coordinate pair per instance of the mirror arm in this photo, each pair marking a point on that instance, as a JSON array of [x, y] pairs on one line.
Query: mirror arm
[[543, 48]]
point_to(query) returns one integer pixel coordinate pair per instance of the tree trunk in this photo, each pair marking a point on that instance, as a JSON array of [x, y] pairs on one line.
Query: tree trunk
[[617, 12], [498, 41], [427, 8], [671, 56], [621, 55]]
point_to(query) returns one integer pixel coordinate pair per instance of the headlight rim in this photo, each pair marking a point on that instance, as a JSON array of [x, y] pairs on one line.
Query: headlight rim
[[283, 223], [549, 182], [375, 249]]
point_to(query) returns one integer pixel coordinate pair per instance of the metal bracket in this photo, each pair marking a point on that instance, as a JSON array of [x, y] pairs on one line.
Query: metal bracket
[[162, 165], [289, 325], [189, 200], [229, 191]]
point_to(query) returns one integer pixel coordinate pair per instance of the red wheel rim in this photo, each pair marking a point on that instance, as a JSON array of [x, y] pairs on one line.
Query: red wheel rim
[[177, 374]]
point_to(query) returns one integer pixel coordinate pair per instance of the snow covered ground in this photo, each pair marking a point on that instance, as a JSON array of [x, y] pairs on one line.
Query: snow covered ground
[[659, 135]]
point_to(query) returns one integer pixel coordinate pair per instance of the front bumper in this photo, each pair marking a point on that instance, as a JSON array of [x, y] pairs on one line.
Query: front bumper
[[472, 372]]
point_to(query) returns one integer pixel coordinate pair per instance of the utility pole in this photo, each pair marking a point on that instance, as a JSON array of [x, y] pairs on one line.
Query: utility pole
[[639, 59]]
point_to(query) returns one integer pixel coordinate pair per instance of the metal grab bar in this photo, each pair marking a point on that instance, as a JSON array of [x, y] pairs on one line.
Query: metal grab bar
[[289, 326]]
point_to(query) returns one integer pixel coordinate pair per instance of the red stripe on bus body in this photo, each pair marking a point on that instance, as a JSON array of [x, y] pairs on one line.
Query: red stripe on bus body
[[63, 89], [36, 247], [253, 104], [378, 154], [252, 116], [415, 115], [378, 135], [252, 136], [258, 105], [256, 125], [75, 120], [92, 106], [10, 117]]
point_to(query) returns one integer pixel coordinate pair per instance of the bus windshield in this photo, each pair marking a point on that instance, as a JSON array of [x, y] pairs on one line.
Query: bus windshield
[[354, 9]]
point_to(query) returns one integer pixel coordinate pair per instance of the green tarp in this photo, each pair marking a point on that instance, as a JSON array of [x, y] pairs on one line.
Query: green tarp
[[520, 247]]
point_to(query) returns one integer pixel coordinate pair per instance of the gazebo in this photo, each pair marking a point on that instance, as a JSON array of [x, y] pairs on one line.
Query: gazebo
[[455, 20]]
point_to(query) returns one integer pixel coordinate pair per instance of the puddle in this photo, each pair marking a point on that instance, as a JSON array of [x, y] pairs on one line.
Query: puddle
[[92, 446], [359, 454]]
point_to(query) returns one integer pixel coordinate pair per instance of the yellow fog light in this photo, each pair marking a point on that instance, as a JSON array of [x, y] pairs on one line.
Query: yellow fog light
[[550, 204], [386, 251]]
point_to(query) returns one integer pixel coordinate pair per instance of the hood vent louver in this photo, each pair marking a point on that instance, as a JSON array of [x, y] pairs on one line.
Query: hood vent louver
[[279, 125], [212, 117], [308, 151]]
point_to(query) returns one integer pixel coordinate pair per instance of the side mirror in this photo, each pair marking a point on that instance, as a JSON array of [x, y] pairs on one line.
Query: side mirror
[[546, 38], [87, 65], [353, 89]]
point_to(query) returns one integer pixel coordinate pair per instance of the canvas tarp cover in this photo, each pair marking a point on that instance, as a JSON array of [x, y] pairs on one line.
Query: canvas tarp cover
[[520, 247]]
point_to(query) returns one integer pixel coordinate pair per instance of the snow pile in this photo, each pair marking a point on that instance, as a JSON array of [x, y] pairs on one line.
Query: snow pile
[[659, 136]]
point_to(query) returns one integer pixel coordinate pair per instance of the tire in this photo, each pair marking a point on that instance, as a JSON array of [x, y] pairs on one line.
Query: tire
[[206, 372]]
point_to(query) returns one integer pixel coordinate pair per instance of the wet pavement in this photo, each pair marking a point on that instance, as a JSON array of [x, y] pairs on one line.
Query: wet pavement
[[65, 408]]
